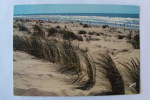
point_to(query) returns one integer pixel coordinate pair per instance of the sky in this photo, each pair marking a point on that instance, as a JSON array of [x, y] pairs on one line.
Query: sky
[[75, 8]]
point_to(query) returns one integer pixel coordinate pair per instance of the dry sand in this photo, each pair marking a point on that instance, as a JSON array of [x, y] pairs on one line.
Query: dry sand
[[35, 77]]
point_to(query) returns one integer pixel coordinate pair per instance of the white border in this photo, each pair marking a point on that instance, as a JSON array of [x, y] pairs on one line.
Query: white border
[[6, 64]]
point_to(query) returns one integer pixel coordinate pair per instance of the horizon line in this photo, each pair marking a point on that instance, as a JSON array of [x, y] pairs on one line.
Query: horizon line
[[73, 13]]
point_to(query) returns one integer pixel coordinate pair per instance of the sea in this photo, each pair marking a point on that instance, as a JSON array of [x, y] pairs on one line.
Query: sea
[[111, 19]]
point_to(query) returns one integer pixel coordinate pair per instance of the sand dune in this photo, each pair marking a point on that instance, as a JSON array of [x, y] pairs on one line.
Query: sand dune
[[36, 77]]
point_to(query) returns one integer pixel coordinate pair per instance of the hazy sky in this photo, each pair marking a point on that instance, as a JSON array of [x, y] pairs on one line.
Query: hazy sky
[[75, 8]]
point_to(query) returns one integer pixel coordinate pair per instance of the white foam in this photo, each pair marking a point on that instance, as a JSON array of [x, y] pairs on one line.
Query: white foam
[[88, 19]]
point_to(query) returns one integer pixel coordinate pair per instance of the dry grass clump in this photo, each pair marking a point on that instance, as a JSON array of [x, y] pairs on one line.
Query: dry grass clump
[[94, 39], [120, 36], [65, 34], [105, 26], [65, 27], [133, 73], [70, 58], [57, 26], [90, 72], [110, 71], [82, 32], [52, 31], [79, 38], [38, 30], [94, 33], [81, 23], [97, 34], [101, 33], [22, 27], [19, 43], [15, 25], [135, 41], [90, 38], [86, 26], [68, 35], [129, 36], [91, 33]]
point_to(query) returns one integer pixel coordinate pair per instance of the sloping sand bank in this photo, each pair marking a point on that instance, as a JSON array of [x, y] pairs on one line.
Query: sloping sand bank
[[35, 77]]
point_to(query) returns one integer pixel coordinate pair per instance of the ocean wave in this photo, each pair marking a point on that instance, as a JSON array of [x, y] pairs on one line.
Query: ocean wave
[[112, 21]]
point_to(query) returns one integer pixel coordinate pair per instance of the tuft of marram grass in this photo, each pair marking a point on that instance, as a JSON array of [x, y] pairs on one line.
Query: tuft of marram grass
[[52, 31], [110, 71], [70, 57], [133, 73], [82, 32], [90, 72], [120, 36], [136, 41], [68, 35], [19, 43], [63, 53], [85, 25], [38, 30], [22, 27]]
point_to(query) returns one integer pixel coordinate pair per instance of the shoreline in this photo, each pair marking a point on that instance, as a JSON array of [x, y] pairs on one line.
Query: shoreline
[[80, 22], [117, 21]]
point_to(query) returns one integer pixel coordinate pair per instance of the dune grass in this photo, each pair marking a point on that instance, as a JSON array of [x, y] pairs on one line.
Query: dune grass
[[90, 72], [91, 33], [22, 27], [85, 25], [52, 31], [50, 50], [105, 26], [19, 43], [134, 40], [120, 36], [63, 53], [68, 35], [38, 31], [65, 34], [133, 73], [82, 32], [15, 25], [110, 71]]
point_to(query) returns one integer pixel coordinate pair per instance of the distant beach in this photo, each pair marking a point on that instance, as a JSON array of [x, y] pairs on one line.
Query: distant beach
[[115, 20]]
